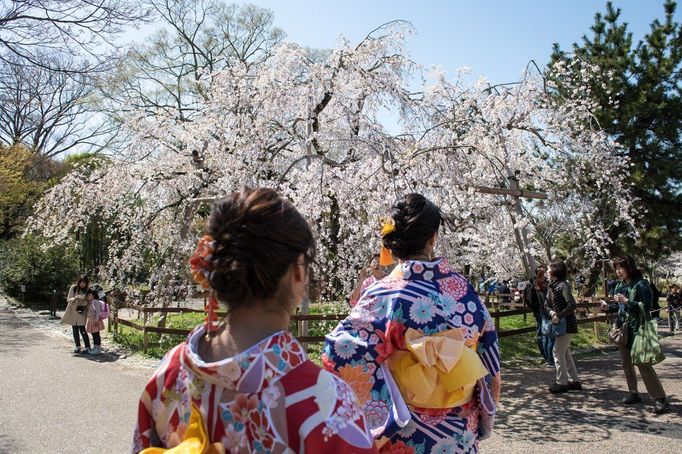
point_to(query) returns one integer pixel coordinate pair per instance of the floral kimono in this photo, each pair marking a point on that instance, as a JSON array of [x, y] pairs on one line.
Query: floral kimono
[[269, 398], [421, 353]]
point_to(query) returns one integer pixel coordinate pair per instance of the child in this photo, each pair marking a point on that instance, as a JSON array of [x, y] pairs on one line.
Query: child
[[93, 324]]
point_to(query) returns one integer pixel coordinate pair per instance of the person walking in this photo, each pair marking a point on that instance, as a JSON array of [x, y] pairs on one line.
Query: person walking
[[560, 305], [245, 384], [419, 348], [74, 314], [632, 290], [94, 323], [674, 304], [535, 295]]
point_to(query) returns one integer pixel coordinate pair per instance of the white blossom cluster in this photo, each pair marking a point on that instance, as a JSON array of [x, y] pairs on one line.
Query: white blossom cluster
[[310, 127]]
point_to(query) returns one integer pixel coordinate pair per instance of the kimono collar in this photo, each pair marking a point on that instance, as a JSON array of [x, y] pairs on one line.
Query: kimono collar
[[251, 370], [417, 270]]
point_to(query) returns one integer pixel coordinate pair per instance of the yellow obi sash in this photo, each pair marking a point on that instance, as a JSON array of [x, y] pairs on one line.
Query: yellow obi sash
[[438, 371], [195, 441]]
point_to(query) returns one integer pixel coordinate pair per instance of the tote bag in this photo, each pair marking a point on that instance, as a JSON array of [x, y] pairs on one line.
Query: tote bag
[[646, 348]]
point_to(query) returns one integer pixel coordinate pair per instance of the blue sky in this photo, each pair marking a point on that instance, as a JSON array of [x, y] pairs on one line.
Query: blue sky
[[493, 38]]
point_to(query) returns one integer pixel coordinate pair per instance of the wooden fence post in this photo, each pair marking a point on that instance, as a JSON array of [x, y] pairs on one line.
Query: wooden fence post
[[115, 317], [145, 335], [594, 314]]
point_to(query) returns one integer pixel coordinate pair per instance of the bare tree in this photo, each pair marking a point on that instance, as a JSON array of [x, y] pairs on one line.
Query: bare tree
[[79, 29], [48, 111], [171, 73]]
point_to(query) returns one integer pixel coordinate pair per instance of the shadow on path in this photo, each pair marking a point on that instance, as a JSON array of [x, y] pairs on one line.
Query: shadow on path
[[530, 413], [14, 334]]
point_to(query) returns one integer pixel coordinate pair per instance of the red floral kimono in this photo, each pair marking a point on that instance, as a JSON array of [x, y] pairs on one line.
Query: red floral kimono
[[269, 398]]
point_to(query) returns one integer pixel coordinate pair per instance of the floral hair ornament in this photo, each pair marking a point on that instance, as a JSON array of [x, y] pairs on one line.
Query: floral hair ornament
[[385, 256], [201, 267]]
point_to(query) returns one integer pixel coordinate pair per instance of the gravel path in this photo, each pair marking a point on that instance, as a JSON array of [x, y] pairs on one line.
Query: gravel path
[[54, 401]]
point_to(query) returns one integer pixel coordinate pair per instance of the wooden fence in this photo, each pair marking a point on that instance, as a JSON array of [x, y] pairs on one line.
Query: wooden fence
[[588, 307]]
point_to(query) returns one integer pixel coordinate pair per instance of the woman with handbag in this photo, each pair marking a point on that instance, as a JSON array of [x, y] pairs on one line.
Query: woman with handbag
[[75, 315], [560, 311], [628, 294], [534, 296]]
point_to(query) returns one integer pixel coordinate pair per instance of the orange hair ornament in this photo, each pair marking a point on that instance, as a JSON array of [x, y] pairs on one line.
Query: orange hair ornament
[[201, 266], [385, 256]]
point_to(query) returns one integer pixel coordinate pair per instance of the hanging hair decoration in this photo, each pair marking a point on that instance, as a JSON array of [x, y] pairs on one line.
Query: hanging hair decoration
[[201, 267], [385, 256]]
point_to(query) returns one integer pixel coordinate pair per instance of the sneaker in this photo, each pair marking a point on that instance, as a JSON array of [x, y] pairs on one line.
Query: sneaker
[[77, 350], [632, 398], [556, 388], [95, 351], [550, 366], [575, 386], [661, 406]]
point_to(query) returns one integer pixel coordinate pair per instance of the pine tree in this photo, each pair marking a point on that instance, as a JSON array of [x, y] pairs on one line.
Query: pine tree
[[638, 90]]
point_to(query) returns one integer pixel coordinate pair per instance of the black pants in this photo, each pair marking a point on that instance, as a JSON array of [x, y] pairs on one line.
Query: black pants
[[97, 339], [76, 339]]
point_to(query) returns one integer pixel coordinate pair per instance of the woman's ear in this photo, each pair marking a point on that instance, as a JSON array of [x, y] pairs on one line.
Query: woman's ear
[[431, 244]]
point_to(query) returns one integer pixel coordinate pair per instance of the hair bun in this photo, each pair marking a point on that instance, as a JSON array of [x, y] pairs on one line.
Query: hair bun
[[416, 220]]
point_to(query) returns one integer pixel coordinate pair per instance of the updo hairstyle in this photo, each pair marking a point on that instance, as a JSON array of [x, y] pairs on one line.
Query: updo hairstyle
[[258, 235], [416, 220]]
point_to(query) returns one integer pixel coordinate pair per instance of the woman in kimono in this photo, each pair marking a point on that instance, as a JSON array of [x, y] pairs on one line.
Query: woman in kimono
[[245, 385], [419, 349]]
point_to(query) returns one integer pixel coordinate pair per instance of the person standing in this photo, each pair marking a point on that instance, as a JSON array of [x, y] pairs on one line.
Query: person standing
[[94, 323], [74, 314], [632, 290], [245, 384], [561, 305], [419, 348], [534, 295]]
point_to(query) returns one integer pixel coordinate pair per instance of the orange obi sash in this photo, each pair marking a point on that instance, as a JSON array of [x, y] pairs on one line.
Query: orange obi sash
[[438, 371]]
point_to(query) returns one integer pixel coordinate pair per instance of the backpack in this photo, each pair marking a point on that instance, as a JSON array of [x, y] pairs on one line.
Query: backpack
[[104, 312]]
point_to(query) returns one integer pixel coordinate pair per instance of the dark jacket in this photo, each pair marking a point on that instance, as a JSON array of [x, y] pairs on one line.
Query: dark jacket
[[630, 311], [560, 300], [533, 298]]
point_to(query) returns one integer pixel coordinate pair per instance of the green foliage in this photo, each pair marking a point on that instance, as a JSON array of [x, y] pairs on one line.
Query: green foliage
[[28, 261], [638, 89], [17, 190]]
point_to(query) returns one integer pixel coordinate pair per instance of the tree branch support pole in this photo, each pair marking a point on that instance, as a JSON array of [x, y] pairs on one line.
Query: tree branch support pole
[[521, 234]]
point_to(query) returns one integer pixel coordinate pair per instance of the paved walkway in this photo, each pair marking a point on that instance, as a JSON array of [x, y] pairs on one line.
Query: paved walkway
[[54, 401]]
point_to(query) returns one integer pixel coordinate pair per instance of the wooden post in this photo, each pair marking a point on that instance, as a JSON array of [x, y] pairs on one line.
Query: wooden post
[[303, 325], [115, 317], [145, 335], [594, 314]]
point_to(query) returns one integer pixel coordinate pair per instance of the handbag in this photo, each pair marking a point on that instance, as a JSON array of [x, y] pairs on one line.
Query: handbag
[[619, 336], [549, 329], [646, 348]]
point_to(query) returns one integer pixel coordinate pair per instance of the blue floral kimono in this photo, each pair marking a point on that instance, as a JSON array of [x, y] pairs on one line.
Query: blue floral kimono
[[430, 298]]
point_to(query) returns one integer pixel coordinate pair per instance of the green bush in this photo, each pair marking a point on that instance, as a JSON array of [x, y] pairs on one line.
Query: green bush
[[29, 261]]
